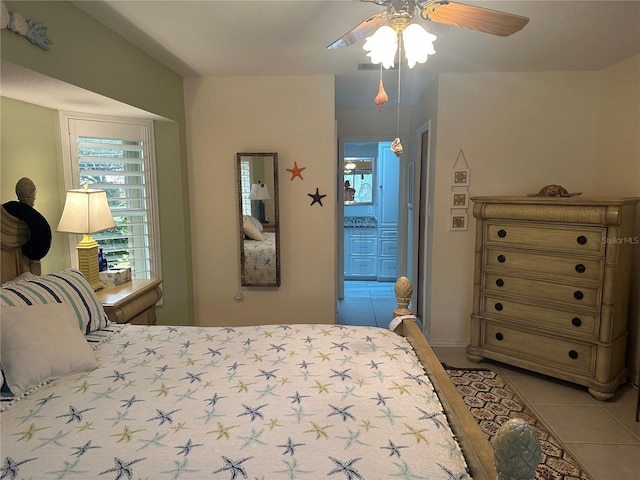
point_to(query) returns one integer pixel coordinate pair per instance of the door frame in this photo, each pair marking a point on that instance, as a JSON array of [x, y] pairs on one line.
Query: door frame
[[423, 190]]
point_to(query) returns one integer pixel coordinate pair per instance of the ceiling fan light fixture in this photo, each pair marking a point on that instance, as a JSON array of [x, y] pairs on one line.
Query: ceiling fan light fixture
[[382, 46], [418, 44]]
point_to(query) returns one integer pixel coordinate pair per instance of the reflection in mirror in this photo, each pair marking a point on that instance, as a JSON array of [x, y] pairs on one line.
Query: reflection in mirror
[[358, 180], [259, 219]]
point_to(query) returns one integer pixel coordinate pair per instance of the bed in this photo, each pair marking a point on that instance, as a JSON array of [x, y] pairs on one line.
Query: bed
[[259, 265], [98, 400], [259, 262]]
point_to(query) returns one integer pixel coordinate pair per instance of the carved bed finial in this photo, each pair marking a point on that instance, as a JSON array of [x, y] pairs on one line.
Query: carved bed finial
[[402, 290], [516, 451], [26, 191]]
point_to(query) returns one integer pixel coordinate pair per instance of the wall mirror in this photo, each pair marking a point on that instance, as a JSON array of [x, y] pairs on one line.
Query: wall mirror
[[258, 219], [358, 180]]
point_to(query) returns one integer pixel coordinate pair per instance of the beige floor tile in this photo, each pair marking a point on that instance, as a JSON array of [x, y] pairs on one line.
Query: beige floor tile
[[546, 391], [583, 424], [627, 417], [609, 462]]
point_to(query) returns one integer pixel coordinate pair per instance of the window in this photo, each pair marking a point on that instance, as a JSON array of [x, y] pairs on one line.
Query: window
[[116, 155], [245, 185]]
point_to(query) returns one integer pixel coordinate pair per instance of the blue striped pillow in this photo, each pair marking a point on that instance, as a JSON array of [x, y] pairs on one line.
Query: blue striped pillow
[[69, 286]]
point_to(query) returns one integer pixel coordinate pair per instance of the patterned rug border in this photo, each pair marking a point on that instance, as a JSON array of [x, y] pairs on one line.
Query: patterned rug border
[[548, 439]]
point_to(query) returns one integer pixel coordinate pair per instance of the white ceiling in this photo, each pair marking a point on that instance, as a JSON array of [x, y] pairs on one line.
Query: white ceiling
[[275, 37]]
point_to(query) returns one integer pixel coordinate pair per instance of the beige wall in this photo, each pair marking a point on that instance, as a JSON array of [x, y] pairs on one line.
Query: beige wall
[[520, 131], [293, 116], [125, 73]]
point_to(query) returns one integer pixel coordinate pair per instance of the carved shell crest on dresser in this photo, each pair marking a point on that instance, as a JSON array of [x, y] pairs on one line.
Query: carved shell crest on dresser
[[551, 286]]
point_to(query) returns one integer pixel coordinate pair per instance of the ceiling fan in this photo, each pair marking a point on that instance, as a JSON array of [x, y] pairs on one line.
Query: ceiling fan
[[400, 13]]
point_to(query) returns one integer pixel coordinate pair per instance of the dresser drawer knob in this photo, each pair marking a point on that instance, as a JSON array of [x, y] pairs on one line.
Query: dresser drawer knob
[[573, 354], [580, 268], [582, 240], [500, 282], [576, 322], [502, 258], [502, 233], [578, 295], [498, 307], [499, 336]]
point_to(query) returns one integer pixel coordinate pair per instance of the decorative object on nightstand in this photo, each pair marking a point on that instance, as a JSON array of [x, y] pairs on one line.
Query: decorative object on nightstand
[[551, 286], [86, 211], [132, 302]]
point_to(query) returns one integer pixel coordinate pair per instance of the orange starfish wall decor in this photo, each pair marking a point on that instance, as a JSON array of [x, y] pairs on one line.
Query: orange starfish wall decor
[[296, 171]]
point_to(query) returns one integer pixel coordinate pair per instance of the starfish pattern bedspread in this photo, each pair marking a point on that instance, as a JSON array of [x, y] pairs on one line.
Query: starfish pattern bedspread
[[267, 402]]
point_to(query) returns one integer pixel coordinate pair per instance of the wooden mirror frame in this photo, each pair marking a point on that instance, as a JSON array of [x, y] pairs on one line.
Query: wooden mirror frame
[[259, 258]]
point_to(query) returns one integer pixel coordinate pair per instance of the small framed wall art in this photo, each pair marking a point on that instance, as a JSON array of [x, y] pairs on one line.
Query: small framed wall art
[[460, 177], [460, 199], [458, 221]]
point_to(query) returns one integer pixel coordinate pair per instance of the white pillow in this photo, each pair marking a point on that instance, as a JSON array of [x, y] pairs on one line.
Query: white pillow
[[254, 221], [68, 286], [250, 230], [40, 342]]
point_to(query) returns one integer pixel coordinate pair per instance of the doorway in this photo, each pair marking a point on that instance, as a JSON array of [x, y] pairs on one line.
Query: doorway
[[368, 231]]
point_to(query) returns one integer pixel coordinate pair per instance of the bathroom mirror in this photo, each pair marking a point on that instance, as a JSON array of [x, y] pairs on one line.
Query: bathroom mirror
[[358, 180], [258, 219]]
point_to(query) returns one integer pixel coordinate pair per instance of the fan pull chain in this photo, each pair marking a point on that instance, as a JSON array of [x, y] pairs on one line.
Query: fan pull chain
[[396, 146]]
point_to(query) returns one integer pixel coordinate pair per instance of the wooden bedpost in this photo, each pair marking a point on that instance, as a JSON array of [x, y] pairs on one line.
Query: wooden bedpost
[[403, 290]]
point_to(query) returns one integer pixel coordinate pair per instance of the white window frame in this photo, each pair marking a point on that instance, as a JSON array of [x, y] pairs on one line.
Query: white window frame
[[71, 172]]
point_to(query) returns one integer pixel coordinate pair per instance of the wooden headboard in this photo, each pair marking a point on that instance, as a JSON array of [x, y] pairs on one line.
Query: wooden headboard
[[14, 235]]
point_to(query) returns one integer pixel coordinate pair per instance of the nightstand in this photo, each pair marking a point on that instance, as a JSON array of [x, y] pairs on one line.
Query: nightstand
[[132, 302]]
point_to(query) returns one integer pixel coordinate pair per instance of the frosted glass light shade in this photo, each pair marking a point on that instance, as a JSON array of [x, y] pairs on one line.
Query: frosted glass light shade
[[382, 46], [418, 44], [86, 211]]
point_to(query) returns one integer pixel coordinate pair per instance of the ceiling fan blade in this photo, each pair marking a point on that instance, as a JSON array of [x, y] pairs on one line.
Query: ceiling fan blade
[[361, 31], [475, 18]]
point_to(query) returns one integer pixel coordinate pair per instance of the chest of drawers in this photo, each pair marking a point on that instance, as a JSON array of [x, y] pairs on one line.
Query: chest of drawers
[[551, 286]]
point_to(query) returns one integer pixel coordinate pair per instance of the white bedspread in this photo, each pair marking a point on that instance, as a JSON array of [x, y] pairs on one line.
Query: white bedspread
[[260, 260], [269, 402]]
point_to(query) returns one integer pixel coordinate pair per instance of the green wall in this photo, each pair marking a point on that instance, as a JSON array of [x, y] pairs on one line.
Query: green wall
[[87, 54]]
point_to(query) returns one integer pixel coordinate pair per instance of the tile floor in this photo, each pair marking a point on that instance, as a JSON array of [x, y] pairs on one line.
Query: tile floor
[[603, 436]]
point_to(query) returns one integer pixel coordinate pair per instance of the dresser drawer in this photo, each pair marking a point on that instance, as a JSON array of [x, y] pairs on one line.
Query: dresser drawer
[[567, 354], [589, 268], [363, 246], [566, 322], [545, 290], [363, 266], [577, 240]]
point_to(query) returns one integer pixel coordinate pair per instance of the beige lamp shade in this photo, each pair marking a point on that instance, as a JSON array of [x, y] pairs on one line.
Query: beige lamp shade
[[86, 211], [259, 191]]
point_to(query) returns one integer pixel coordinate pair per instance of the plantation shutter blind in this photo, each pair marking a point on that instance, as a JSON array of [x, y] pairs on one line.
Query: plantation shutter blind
[[245, 186], [115, 157]]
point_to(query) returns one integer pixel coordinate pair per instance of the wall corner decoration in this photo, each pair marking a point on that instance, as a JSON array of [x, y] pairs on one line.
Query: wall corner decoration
[[459, 203], [35, 32]]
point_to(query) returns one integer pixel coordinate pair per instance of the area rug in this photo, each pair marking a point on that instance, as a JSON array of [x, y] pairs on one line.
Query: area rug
[[492, 403]]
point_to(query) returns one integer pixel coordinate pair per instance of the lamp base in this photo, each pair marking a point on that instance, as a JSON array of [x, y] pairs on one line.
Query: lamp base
[[88, 261]]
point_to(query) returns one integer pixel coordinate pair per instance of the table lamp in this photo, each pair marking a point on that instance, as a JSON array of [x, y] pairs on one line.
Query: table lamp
[[260, 192], [86, 211]]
